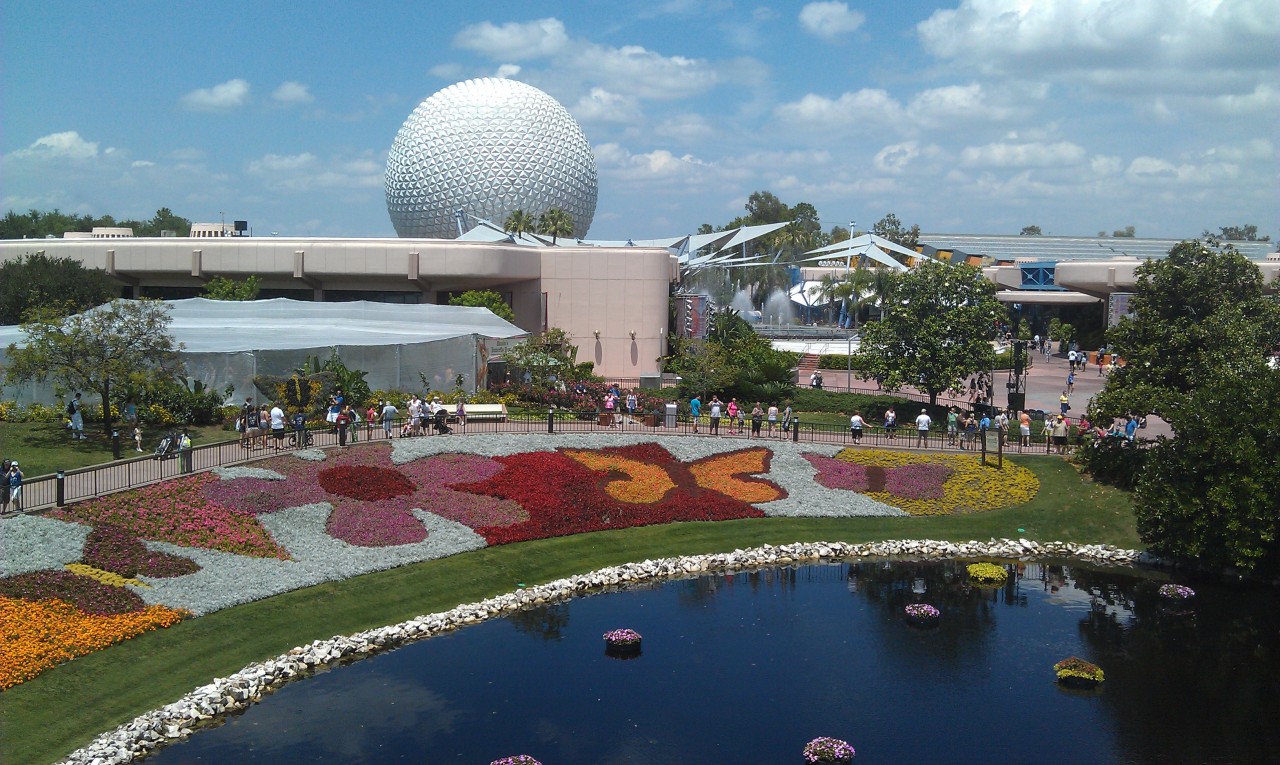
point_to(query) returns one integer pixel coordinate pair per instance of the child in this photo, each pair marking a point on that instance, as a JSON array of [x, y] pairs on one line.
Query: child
[[137, 438]]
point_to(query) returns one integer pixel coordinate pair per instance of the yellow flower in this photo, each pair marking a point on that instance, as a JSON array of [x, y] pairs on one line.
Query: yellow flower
[[106, 577], [972, 487]]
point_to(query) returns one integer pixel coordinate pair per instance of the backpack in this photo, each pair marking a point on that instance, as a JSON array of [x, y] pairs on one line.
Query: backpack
[[71, 408]]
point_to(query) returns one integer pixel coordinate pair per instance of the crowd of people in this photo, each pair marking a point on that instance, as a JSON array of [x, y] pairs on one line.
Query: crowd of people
[[757, 422]]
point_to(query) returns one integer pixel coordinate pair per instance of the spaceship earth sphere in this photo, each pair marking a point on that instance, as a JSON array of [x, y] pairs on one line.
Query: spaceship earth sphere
[[488, 147]]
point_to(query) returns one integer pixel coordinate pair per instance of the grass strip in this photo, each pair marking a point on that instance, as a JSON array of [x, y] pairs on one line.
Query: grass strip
[[48, 717]]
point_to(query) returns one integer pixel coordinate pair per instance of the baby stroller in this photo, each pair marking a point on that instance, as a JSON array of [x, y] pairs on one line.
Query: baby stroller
[[439, 423], [167, 449]]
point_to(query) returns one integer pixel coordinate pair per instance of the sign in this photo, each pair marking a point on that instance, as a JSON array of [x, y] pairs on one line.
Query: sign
[[1118, 307]]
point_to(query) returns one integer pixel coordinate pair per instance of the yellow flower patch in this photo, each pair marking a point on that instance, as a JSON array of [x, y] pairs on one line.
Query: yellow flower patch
[[106, 577], [972, 487], [986, 573], [39, 635], [644, 484]]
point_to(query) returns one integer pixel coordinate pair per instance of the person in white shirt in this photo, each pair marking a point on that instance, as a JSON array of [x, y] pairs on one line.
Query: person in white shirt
[[277, 424], [856, 423], [922, 428], [415, 412]]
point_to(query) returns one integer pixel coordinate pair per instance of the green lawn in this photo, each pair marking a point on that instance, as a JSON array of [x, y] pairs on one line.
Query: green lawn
[[53, 714], [42, 448]]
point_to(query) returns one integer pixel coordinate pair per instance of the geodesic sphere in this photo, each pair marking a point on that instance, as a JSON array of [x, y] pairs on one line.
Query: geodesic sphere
[[488, 147]]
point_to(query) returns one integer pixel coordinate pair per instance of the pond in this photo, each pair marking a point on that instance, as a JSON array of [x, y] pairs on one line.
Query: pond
[[746, 668]]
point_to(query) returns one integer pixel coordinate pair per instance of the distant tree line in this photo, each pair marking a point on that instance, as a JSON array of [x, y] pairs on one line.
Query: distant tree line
[[35, 224]]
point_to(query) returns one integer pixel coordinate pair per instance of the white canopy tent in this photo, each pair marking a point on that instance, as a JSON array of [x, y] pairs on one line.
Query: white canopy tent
[[230, 342]]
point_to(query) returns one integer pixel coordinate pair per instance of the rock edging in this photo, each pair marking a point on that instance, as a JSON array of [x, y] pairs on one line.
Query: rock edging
[[174, 722]]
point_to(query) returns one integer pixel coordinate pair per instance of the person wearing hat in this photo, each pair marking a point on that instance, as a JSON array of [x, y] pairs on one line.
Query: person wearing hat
[[922, 428], [14, 479]]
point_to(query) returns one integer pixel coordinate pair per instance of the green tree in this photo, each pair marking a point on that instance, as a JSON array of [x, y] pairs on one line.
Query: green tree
[[1029, 231], [163, 220], [889, 227], [702, 365], [1209, 493], [222, 288], [485, 299], [555, 223], [98, 349], [939, 321], [62, 285], [1197, 310], [519, 222], [551, 353], [1196, 353], [1128, 232], [1246, 233]]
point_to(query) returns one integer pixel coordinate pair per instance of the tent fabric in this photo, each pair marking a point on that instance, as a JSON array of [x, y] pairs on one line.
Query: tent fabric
[[867, 245]]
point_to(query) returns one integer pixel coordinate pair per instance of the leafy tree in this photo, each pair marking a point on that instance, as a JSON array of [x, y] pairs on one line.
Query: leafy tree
[[544, 355], [222, 288], [939, 321], [519, 222], [703, 366], [59, 284], [889, 227], [555, 223], [1197, 310], [35, 224], [98, 349], [1128, 232], [1246, 233], [765, 207], [838, 234], [163, 220], [485, 299], [1029, 231], [1196, 353]]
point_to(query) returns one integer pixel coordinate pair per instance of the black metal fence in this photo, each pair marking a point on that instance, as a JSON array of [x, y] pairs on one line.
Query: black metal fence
[[68, 486]]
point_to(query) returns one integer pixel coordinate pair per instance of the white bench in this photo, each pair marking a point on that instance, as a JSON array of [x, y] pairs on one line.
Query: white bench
[[495, 412]]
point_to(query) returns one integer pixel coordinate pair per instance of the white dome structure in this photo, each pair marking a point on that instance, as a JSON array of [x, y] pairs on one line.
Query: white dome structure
[[488, 147]]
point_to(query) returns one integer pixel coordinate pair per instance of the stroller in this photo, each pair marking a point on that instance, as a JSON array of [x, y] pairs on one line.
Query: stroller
[[167, 449], [440, 424]]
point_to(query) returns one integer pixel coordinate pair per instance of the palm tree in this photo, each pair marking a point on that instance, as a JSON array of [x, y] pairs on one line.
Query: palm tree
[[555, 223], [518, 222]]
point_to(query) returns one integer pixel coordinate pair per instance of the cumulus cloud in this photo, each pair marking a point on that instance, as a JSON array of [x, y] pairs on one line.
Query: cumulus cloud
[[307, 172], [634, 71], [1033, 154], [830, 20], [231, 94], [507, 70], [895, 158], [292, 93], [64, 145], [514, 41], [1185, 46], [600, 105], [869, 105]]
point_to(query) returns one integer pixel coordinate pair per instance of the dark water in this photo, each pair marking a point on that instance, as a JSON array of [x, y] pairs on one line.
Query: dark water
[[746, 668]]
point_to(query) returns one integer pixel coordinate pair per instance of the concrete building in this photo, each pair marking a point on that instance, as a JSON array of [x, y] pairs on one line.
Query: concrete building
[[613, 301]]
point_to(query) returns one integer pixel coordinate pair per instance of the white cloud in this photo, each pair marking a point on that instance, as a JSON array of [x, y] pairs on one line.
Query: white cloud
[[293, 93], [514, 41], [1034, 154], [869, 105], [507, 71], [830, 20], [1265, 99], [684, 128], [1131, 48], [65, 145], [895, 158], [446, 71], [142, 163], [229, 95], [634, 71], [307, 172], [602, 106]]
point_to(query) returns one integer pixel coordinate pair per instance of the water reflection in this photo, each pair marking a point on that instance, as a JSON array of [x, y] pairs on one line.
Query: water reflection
[[746, 668]]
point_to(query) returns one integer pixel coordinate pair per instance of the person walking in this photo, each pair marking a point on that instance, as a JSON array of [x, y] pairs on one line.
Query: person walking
[[1064, 403], [787, 416], [695, 410], [922, 429], [1071, 382], [75, 411], [389, 413]]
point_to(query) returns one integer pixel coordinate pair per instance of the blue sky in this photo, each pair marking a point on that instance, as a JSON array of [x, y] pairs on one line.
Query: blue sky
[[964, 116]]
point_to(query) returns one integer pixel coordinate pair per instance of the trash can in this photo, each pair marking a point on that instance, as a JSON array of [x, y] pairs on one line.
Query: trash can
[[671, 416]]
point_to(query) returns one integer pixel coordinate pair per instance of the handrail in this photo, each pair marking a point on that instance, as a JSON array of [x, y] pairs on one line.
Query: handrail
[[79, 484]]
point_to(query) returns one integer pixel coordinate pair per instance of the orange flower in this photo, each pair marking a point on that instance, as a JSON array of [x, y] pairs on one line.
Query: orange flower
[[39, 635], [645, 482]]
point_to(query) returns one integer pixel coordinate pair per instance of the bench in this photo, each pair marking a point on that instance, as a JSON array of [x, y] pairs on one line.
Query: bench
[[495, 412]]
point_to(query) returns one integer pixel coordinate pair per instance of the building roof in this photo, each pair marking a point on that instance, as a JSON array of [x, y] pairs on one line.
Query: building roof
[[1041, 248]]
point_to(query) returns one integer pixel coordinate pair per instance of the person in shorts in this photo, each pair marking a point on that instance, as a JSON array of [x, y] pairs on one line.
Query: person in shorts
[[715, 415], [856, 424], [14, 480], [277, 424], [890, 424]]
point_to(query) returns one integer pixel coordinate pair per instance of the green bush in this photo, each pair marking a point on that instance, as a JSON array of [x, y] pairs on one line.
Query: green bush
[[1113, 461]]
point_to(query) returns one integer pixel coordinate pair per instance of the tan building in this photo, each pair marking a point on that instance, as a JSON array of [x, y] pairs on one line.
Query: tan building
[[613, 301]]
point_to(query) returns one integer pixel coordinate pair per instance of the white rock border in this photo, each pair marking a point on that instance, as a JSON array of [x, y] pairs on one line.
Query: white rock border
[[232, 694]]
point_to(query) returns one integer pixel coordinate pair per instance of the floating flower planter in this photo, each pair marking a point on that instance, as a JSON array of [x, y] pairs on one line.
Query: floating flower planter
[[622, 643], [1177, 593], [518, 759], [921, 615], [1078, 673], [987, 574], [827, 749]]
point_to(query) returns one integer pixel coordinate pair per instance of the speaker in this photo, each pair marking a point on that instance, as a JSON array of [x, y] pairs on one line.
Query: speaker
[[1017, 401], [1019, 357]]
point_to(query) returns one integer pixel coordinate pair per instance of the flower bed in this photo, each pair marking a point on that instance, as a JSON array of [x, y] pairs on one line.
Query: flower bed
[[921, 615], [926, 484], [1176, 592], [986, 574], [573, 491], [519, 759], [1078, 673], [827, 749]]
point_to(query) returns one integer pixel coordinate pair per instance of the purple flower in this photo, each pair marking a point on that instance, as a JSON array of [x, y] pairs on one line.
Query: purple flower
[[826, 749]]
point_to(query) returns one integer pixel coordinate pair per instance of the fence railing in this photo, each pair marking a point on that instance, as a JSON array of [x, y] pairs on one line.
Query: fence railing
[[76, 485]]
